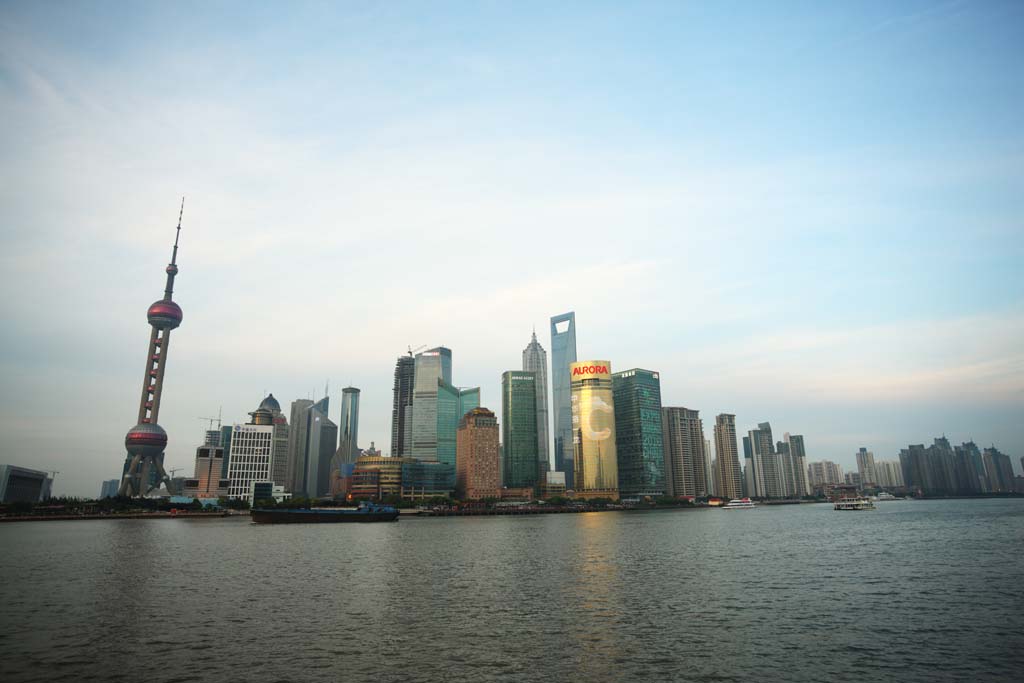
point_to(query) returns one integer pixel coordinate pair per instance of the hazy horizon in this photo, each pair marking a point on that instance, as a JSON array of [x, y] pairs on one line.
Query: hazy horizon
[[802, 214]]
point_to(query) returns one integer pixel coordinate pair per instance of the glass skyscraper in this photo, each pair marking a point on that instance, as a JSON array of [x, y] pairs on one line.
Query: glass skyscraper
[[437, 407], [521, 467], [348, 448], [638, 434], [535, 360], [563, 353], [595, 467]]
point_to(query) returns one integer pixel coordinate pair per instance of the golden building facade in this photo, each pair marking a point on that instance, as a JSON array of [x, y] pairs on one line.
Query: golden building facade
[[595, 464]]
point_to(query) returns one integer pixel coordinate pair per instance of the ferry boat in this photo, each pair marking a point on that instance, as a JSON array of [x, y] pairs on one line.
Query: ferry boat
[[740, 504], [366, 512], [859, 503]]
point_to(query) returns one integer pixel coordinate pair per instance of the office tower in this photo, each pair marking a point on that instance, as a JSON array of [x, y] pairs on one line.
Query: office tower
[[252, 450], [146, 441], [563, 354], [437, 407], [401, 406], [535, 360], [22, 485], [477, 472], [109, 488], [268, 413], [639, 448], [348, 447], [297, 441], [866, 466], [206, 480], [687, 472], [595, 461], [521, 467], [312, 444], [433, 370], [728, 478]]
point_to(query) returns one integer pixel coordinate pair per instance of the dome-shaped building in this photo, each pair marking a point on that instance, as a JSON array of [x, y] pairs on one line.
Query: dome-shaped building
[[270, 403]]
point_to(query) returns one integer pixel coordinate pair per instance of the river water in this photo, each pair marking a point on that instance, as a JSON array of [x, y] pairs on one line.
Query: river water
[[915, 591]]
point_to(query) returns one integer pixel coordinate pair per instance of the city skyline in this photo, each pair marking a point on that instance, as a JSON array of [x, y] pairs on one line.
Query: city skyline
[[848, 247]]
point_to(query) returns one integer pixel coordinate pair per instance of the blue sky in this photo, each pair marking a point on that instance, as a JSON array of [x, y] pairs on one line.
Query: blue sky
[[799, 213]]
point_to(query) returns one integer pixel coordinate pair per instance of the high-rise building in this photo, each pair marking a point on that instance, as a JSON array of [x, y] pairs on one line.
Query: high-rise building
[[206, 480], [348, 427], [477, 473], [639, 448], [521, 467], [687, 472], [312, 445], [889, 474], [709, 466], [535, 360], [109, 488], [798, 464], [595, 461], [401, 406], [297, 442], [257, 452], [563, 354], [999, 469], [866, 466], [824, 473], [437, 407], [729, 480], [147, 440]]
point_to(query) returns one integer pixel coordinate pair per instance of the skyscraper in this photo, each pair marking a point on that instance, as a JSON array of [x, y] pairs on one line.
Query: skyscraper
[[348, 426], [477, 472], [535, 360], [146, 441], [729, 479], [798, 454], [764, 471], [437, 407], [686, 470], [639, 446], [297, 438], [866, 466], [595, 461], [563, 354], [252, 450], [401, 407], [521, 467]]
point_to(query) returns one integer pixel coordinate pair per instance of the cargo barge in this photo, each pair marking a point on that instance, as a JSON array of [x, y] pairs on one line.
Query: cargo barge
[[366, 512]]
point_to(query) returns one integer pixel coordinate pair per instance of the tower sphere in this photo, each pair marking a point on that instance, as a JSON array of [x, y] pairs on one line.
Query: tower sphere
[[146, 439], [165, 315], [172, 269]]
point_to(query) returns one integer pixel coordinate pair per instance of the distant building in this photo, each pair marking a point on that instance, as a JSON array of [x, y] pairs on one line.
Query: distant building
[[554, 484], [798, 464], [258, 451], [729, 480], [22, 485], [477, 473], [823, 473], [437, 407], [866, 466], [1000, 470], [595, 462], [401, 406], [423, 480], [764, 471], [889, 474], [686, 469], [260, 491], [520, 465], [535, 360], [853, 479], [639, 447], [109, 488], [376, 476], [563, 354], [298, 437], [311, 448]]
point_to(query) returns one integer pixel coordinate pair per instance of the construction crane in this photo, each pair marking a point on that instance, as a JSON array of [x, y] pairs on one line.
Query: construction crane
[[418, 348], [211, 420], [173, 470]]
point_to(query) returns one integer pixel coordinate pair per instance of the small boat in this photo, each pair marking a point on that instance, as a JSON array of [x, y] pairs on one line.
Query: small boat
[[859, 503], [366, 512], [885, 495], [740, 504]]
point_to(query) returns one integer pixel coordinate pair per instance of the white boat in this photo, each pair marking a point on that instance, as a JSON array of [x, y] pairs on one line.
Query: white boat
[[885, 495], [859, 503], [741, 504]]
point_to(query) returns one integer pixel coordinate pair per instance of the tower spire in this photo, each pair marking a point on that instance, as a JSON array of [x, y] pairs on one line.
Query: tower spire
[[172, 267]]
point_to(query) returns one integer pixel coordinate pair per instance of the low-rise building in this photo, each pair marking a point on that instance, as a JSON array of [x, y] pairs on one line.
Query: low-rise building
[[22, 485]]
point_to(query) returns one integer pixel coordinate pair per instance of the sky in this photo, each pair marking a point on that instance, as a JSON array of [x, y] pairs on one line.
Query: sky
[[804, 213]]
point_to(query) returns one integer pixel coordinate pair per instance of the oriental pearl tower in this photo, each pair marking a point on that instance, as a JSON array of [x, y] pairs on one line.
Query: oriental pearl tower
[[146, 441]]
